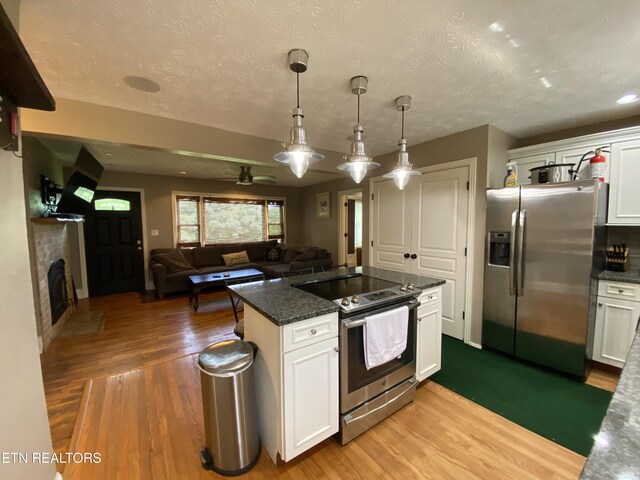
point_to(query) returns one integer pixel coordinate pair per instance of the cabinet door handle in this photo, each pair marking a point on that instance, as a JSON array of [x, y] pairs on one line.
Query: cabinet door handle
[[599, 304], [620, 290], [429, 297], [337, 349], [313, 331], [419, 319]]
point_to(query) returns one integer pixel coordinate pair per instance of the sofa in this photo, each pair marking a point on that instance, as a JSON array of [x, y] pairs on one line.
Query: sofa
[[171, 267]]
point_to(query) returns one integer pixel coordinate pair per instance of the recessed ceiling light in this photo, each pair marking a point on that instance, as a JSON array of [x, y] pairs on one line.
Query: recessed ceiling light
[[496, 27], [545, 82], [628, 98], [141, 83], [182, 173], [514, 43]]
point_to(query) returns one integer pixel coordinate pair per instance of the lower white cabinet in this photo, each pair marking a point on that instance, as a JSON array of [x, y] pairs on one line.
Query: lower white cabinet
[[429, 334], [296, 378], [616, 322], [310, 396]]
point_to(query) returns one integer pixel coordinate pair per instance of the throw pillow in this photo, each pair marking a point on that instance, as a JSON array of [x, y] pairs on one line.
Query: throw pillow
[[289, 256], [173, 261], [236, 258], [308, 255], [273, 254]]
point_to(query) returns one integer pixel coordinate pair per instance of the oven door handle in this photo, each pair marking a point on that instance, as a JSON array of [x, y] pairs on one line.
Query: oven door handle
[[355, 323], [361, 321], [348, 419]]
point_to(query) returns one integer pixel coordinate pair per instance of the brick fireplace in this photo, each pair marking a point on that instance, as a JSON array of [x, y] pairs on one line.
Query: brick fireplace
[[51, 242]]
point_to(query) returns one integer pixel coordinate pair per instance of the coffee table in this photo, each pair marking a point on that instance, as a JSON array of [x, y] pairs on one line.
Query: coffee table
[[197, 283]]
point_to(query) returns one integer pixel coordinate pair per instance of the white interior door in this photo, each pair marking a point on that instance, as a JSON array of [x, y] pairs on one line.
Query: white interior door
[[391, 228], [440, 204]]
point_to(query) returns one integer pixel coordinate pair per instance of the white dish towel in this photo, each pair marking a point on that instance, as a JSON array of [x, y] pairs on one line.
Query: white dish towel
[[385, 336]]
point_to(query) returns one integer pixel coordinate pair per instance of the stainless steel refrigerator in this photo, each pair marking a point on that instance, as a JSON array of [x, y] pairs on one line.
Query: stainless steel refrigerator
[[544, 247]]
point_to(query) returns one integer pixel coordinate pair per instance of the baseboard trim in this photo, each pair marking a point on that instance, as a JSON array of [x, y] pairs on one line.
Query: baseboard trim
[[476, 345], [81, 293]]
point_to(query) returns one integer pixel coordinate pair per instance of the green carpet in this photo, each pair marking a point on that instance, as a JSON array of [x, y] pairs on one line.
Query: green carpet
[[556, 407]]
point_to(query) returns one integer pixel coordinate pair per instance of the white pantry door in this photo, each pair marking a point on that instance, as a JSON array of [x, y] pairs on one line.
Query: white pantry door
[[440, 202], [391, 232], [427, 219]]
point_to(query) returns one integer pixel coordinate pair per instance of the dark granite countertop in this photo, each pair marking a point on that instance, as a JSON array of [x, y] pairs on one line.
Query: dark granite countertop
[[615, 453], [631, 276], [283, 304]]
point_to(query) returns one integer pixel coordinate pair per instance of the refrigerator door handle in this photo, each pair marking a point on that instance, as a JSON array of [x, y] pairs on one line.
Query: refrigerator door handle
[[512, 253], [520, 253]]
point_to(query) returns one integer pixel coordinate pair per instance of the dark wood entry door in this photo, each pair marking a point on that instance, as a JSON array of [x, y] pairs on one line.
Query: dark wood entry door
[[113, 243]]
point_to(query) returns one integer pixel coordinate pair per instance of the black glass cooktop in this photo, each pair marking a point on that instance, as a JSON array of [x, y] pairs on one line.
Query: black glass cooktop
[[337, 288]]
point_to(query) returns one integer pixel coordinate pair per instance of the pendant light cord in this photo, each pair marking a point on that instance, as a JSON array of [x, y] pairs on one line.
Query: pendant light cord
[[402, 135], [298, 88], [358, 108]]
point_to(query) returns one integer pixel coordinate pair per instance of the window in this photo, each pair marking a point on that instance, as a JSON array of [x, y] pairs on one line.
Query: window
[[275, 215], [208, 220], [113, 204], [188, 220]]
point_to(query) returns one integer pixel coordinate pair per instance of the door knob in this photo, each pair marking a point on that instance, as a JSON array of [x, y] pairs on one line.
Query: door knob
[[414, 256], [406, 255], [337, 349]]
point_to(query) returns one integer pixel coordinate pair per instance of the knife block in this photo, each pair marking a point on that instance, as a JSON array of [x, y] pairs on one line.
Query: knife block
[[619, 265]]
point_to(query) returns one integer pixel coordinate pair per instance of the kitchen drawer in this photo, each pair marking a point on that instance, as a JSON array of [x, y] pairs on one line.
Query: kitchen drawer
[[307, 332], [622, 290], [427, 299]]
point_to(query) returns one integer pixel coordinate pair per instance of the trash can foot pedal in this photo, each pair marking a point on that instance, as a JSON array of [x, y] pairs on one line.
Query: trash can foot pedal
[[206, 459]]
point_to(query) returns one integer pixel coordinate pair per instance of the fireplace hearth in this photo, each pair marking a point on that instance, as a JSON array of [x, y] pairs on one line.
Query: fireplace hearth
[[58, 298]]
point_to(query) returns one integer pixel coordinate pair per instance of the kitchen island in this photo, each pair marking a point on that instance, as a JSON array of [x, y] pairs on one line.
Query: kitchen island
[[615, 450], [298, 364]]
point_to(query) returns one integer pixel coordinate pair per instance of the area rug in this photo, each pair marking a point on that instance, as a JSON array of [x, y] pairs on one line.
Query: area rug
[[556, 407], [83, 323]]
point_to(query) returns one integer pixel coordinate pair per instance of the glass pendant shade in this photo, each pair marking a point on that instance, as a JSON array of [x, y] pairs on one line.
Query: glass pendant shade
[[297, 154], [404, 170], [358, 163]]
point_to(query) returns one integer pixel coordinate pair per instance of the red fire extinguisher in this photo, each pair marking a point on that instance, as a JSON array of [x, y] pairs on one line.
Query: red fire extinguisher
[[597, 165]]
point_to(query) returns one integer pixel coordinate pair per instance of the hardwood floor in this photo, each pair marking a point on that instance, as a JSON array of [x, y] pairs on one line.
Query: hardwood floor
[[137, 332], [147, 424], [138, 395]]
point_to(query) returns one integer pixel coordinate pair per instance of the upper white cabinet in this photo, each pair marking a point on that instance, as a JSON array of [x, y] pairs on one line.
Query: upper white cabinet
[[622, 170], [524, 164], [624, 194]]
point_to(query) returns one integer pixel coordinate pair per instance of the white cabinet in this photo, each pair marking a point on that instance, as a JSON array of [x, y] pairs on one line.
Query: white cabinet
[[624, 194], [617, 315], [310, 396], [296, 376], [525, 163], [429, 334]]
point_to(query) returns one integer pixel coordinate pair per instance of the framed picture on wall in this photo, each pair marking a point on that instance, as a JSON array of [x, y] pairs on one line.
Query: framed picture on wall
[[323, 205]]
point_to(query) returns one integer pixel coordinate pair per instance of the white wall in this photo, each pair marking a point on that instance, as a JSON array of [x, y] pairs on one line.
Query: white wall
[[23, 415]]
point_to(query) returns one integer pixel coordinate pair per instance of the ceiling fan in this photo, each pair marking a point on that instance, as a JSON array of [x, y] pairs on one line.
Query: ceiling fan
[[246, 178]]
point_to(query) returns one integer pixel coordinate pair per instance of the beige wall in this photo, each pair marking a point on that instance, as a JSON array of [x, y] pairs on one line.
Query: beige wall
[[633, 121], [24, 425]]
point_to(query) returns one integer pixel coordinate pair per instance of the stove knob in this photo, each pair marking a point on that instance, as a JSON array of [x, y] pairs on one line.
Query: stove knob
[[403, 288], [345, 301], [411, 286], [355, 299]]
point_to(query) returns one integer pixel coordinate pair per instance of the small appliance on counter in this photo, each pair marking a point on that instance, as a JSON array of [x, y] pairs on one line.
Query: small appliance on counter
[[618, 258]]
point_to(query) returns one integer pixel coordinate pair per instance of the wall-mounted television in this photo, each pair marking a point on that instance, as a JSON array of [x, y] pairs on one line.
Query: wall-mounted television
[[78, 192]]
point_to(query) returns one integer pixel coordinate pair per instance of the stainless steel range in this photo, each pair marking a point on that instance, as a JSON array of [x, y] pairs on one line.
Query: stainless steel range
[[367, 396]]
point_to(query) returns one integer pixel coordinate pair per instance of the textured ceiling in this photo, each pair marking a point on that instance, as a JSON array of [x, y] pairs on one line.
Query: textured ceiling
[[223, 63]]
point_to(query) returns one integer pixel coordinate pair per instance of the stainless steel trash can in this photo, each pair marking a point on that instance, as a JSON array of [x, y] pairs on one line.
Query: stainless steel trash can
[[229, 402]]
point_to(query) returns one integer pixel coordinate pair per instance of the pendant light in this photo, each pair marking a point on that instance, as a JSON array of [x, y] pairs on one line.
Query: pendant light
[[358, 162], [403, 171], [297, 154]]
